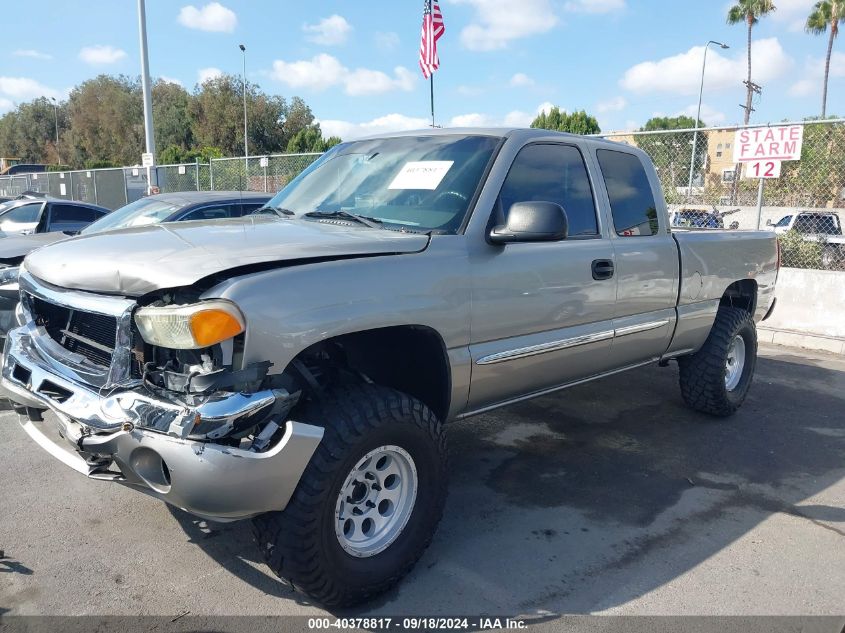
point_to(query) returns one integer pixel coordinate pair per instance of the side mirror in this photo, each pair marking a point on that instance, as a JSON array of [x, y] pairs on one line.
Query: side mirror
[[769, 222], [532, 222]]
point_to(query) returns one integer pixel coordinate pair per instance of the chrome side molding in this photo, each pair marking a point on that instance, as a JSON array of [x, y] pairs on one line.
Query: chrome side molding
[[575, 341], [544, 348]]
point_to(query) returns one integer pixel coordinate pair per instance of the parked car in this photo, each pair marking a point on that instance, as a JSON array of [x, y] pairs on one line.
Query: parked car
[[817, 226], [298, 368], [166, 207], [47, 215], [701, 218]]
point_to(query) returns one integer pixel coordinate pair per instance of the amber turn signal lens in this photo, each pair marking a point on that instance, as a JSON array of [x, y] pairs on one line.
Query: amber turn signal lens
[[212, 326]]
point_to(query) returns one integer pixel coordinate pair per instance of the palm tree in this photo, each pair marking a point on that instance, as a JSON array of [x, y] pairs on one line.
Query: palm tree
[[826, 13], [749, 12]]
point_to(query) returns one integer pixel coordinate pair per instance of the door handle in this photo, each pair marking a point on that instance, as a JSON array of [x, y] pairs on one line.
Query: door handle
[[602, 269]]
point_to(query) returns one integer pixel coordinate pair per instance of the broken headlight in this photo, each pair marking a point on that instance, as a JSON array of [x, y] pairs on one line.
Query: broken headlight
[[193, 326]]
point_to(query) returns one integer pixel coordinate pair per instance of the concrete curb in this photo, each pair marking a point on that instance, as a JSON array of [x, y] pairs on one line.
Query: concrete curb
[[791, 338]]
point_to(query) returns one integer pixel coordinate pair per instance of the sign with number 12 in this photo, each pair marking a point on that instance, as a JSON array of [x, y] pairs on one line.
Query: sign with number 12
[[763, 169]]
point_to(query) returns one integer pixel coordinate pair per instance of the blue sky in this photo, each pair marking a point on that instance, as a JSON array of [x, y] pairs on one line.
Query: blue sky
[[355, 63]]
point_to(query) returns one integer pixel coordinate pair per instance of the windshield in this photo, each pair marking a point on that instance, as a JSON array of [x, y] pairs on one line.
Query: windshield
[[414, 183], [138, 213], [784, 221]]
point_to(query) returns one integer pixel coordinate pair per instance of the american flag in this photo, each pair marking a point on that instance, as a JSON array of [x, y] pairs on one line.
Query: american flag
[[432, 29]]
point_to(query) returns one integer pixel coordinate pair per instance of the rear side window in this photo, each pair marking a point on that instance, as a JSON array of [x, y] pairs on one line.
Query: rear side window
[[552, 173], [631, 199], [23, 213], [212, 213], [61, 213]]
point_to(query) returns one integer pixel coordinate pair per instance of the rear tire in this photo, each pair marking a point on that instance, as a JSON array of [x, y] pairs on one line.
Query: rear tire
[[334, 560], [716, 379]]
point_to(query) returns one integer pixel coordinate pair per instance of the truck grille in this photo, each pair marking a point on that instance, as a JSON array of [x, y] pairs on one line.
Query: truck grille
[[91, 335]]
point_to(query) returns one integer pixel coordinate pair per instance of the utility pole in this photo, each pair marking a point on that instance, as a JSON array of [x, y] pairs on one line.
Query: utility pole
[[751, 90], [148, 100]]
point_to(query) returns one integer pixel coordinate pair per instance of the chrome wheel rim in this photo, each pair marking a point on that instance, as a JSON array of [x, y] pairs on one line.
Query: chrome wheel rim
[[376, 501], [735, 362]]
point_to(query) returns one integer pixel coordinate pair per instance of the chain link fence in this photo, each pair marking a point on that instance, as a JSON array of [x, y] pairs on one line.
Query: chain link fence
[[706, 189], [113, 188]]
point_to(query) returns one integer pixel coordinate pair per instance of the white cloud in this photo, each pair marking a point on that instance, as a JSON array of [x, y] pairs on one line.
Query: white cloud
[[324, 71], [6, 104], [28, 52], [469, 91], [318, 73], [204, 74], [709, 115], [387, 41], [594, 6], [212, 17], [612, 105], [521, 80], [170, 80], [793, 13], [804, 87], [24, 88], [388, 123], [814, 75], [330, 31], [514, 118], [681, 74], [546, 106], [497, 22], [98, 55]]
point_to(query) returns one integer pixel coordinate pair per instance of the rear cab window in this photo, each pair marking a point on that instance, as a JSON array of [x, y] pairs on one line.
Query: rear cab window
[[632, 202]]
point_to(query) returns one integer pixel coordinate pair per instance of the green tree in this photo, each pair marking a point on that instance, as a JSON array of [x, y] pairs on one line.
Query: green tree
[[672, 153], [826, 14], [310, 139], [29, 131], [106, 121], [217, 114], [576, 123], [171, 119], [749, 12]]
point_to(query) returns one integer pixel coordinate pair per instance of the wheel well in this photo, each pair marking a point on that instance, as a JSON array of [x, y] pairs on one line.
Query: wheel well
[[408, 358], [741, 294]]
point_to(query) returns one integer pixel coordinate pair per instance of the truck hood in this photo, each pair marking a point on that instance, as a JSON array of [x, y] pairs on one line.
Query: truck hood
[[13, 247], [135, 261]]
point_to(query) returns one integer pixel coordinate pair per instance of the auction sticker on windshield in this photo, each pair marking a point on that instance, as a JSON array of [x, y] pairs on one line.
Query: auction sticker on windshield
[[422, 174]]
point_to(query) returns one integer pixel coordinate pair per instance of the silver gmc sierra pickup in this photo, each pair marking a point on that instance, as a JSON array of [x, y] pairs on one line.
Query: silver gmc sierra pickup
[[297, 367]]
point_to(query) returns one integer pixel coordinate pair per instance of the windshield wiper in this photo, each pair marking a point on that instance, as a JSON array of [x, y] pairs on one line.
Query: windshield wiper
[[373, 223]]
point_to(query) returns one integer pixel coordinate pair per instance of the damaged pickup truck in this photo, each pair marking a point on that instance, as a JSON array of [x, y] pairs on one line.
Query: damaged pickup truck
[[297, 367]]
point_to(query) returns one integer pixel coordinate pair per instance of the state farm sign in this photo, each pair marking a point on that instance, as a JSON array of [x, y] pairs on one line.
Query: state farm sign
[[768, 143]]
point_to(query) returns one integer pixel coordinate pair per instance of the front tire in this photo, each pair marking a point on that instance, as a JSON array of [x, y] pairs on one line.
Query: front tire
[[369, 501], [716, 379]]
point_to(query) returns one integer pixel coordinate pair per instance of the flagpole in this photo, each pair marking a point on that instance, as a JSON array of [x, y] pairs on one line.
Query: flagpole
[[432, 100]]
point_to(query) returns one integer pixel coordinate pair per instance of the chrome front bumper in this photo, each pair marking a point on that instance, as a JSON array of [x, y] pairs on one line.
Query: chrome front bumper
[[209, 480]]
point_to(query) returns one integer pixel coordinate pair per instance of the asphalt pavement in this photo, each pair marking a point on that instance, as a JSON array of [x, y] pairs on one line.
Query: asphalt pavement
[[608, 498]]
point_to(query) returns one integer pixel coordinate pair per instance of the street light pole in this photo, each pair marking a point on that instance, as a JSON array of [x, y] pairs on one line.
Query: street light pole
[[246, 141], [148, 100], [56, 113], [698, 114]]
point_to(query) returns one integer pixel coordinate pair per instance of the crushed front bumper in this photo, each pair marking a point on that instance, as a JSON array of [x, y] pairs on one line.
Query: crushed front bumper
[[209, 480]]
